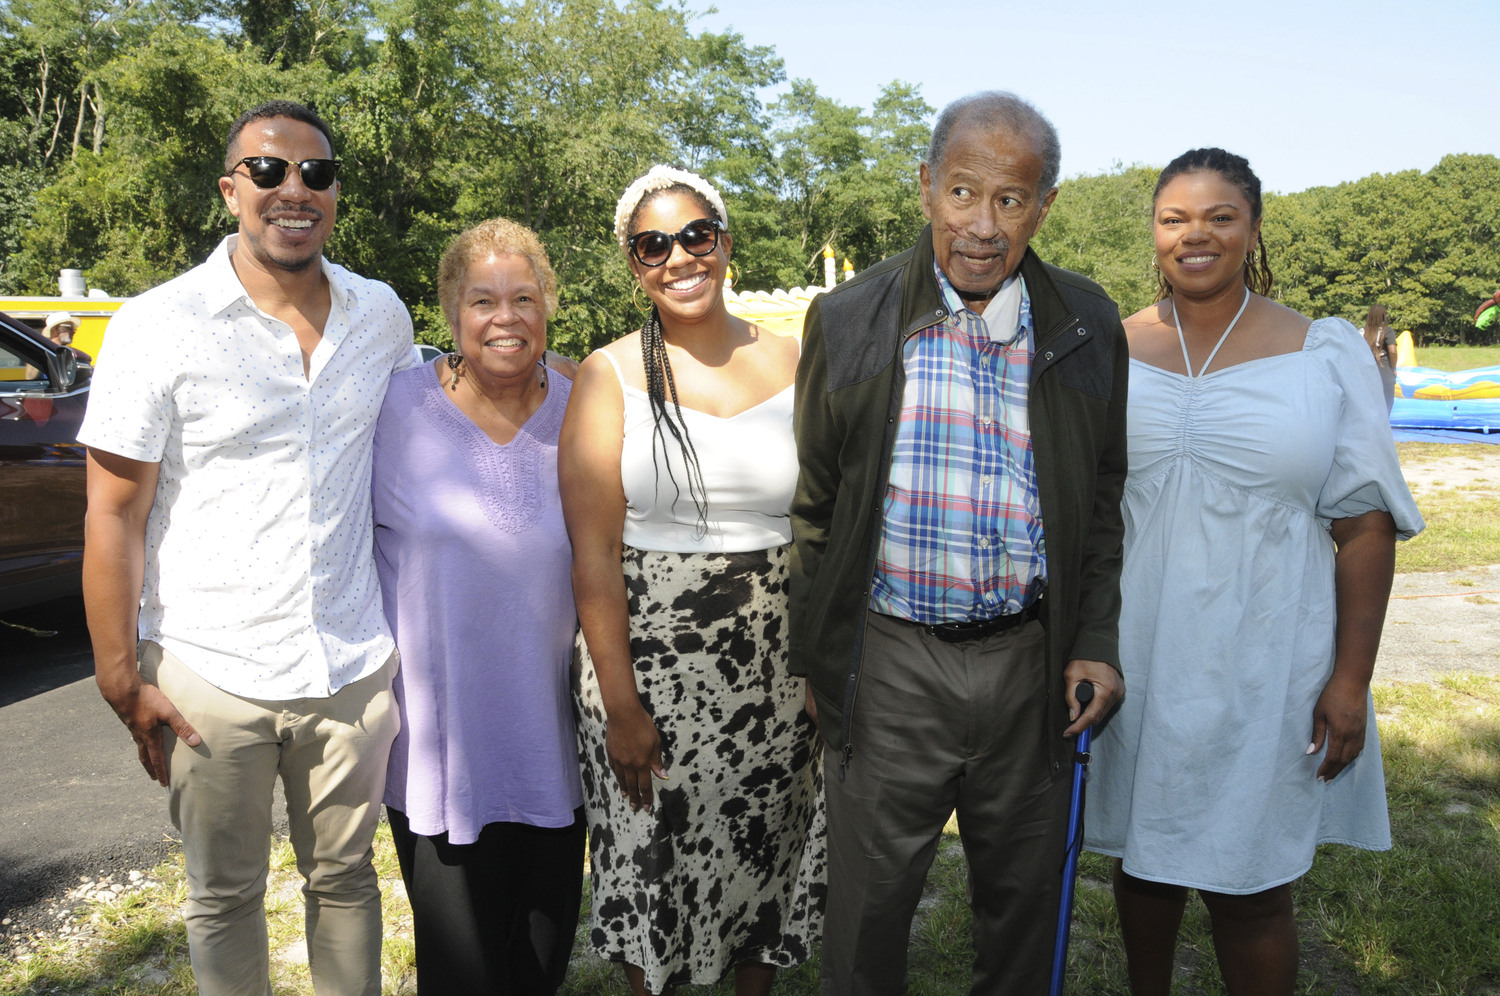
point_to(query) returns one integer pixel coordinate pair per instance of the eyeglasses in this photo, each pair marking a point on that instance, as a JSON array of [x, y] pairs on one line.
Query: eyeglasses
[[269, 172], [697, 238]]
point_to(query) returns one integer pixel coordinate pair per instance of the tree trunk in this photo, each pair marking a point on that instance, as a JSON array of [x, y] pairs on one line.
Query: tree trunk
[[98, 104], [41, 101], [78, 125]]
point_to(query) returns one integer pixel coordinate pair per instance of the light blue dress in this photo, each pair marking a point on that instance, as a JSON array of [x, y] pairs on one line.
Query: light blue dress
[[1227, 628]]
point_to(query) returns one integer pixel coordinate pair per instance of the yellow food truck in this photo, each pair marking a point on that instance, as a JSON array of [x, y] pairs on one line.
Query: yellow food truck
[[92, 313]]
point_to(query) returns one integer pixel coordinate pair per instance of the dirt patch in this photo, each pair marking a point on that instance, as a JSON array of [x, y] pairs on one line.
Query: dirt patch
[[1475, 469], [1440, 622], [1446, 620]]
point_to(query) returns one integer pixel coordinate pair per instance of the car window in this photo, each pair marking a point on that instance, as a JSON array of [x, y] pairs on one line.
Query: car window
[[18, 375]]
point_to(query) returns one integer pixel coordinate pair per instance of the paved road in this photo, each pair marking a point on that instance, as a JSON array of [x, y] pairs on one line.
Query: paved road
[[74, 800]]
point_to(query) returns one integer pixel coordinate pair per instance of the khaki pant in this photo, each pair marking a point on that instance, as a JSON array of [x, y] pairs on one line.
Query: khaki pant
[[939, 727], [331, 756]]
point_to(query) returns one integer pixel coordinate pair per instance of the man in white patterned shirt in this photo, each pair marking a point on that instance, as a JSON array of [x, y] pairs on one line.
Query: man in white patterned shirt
[[228, 571]]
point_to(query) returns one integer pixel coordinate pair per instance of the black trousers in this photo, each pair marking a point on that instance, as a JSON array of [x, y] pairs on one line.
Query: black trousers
[[496, 917]]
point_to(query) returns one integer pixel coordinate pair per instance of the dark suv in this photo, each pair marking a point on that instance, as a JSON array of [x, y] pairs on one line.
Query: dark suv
[[43, 392]]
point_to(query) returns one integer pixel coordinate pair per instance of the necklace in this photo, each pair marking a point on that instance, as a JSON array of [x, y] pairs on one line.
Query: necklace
[[1187, 363], [456, 365]]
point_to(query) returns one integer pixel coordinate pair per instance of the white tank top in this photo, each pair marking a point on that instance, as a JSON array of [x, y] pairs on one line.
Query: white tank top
[[749, 464]]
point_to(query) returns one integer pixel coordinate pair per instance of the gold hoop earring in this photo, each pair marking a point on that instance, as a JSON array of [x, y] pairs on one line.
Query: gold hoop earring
[[635, 299], [456, 366], [1154, 264]]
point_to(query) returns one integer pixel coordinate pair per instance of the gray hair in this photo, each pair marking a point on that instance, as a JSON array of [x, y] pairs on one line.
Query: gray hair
[[998, 110]]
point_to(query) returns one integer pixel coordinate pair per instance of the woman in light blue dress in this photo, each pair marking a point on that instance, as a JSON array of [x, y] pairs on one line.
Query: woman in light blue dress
[[1261, 512]]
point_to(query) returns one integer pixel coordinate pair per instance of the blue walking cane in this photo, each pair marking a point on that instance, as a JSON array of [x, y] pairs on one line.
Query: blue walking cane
[[1081, 758]]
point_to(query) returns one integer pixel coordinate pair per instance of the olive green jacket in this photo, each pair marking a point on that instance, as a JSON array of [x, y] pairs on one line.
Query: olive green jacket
[[849, 389]]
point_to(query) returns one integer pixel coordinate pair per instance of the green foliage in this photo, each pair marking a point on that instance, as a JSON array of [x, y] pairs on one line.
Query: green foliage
[[1100, 226], [836, 177], [447, 112], [146, 206], [1424, 245]]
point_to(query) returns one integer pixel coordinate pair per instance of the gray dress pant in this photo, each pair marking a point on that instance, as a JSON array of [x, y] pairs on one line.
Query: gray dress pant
[[939, 727]]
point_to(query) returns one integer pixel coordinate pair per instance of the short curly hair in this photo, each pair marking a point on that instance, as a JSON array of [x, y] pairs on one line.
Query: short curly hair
[[496, 237]]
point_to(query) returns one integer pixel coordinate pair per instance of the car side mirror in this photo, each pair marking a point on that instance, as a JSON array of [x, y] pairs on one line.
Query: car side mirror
[[62, 369]]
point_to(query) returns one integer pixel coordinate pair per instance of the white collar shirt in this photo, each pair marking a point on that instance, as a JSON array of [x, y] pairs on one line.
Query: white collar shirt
[[260, 571]]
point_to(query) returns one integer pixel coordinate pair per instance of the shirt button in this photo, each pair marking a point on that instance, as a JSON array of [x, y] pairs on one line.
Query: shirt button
[[1048, 356], [986, 481], [984, 543]]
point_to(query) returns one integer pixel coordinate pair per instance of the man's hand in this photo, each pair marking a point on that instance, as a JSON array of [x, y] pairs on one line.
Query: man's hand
[[145, 710], [1109, 688]]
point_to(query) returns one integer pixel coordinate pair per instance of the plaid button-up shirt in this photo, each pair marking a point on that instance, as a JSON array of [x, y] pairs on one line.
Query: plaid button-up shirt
[[961, 538]]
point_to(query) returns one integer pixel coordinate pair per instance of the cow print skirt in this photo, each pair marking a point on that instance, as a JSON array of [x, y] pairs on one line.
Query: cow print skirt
[[729, 864]]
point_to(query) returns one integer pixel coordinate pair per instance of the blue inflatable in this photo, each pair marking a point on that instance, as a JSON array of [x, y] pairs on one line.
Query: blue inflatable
[[1437, 400], [1482, 415]]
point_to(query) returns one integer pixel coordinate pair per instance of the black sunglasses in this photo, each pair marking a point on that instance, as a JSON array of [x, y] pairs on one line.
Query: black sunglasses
[[697, 238], [269, 172]]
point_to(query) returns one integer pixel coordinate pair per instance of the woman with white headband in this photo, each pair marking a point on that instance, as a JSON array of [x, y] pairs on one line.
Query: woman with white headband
[[677, 466]]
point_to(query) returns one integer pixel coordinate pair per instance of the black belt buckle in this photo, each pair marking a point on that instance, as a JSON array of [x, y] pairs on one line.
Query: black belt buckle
[[966, 631]]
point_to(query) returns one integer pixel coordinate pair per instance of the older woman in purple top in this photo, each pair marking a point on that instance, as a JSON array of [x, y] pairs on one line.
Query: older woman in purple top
[[483, 790]]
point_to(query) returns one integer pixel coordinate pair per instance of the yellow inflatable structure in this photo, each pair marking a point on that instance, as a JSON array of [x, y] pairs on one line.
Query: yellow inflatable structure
[[779, 311]]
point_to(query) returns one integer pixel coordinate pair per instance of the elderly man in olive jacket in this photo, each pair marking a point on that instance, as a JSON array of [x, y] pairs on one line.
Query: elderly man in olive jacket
[[961, 430]]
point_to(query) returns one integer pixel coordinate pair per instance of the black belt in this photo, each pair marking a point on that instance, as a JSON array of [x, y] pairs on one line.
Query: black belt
[[963, 632]]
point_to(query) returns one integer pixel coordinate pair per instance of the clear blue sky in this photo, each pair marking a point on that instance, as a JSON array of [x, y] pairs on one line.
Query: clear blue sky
[[1313, 93]]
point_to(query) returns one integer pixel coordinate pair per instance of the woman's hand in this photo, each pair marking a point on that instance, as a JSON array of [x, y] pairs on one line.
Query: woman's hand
[[634, 749], [1339, 718]]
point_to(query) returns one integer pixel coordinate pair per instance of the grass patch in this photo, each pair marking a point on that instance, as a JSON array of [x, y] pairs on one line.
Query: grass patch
[[1422, 918], [1463, 522], [1458, 357], [1463, 530], [1414, 452]]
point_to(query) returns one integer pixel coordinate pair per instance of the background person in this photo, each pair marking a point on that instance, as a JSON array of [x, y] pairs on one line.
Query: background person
[[960, 427], [483, 792], [60, 327], [1488, 312], [229, 432], [677, 460], [1381, 339], [1261, 512]]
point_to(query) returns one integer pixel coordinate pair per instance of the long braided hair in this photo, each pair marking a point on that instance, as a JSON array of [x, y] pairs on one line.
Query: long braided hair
[[1237, 172], [661, 388]]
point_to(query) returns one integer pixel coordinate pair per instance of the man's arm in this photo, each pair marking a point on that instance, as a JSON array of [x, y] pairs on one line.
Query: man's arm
[[1095, 654], [817, 476], [120, 494]]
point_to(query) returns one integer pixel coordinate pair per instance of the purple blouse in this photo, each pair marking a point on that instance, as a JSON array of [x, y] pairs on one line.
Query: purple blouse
[[474, 566]]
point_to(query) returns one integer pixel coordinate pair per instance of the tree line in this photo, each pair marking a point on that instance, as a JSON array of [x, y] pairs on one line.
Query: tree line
[[446, 112]]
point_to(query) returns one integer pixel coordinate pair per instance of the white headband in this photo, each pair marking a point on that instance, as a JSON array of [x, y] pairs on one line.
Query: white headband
[[657, 178]]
